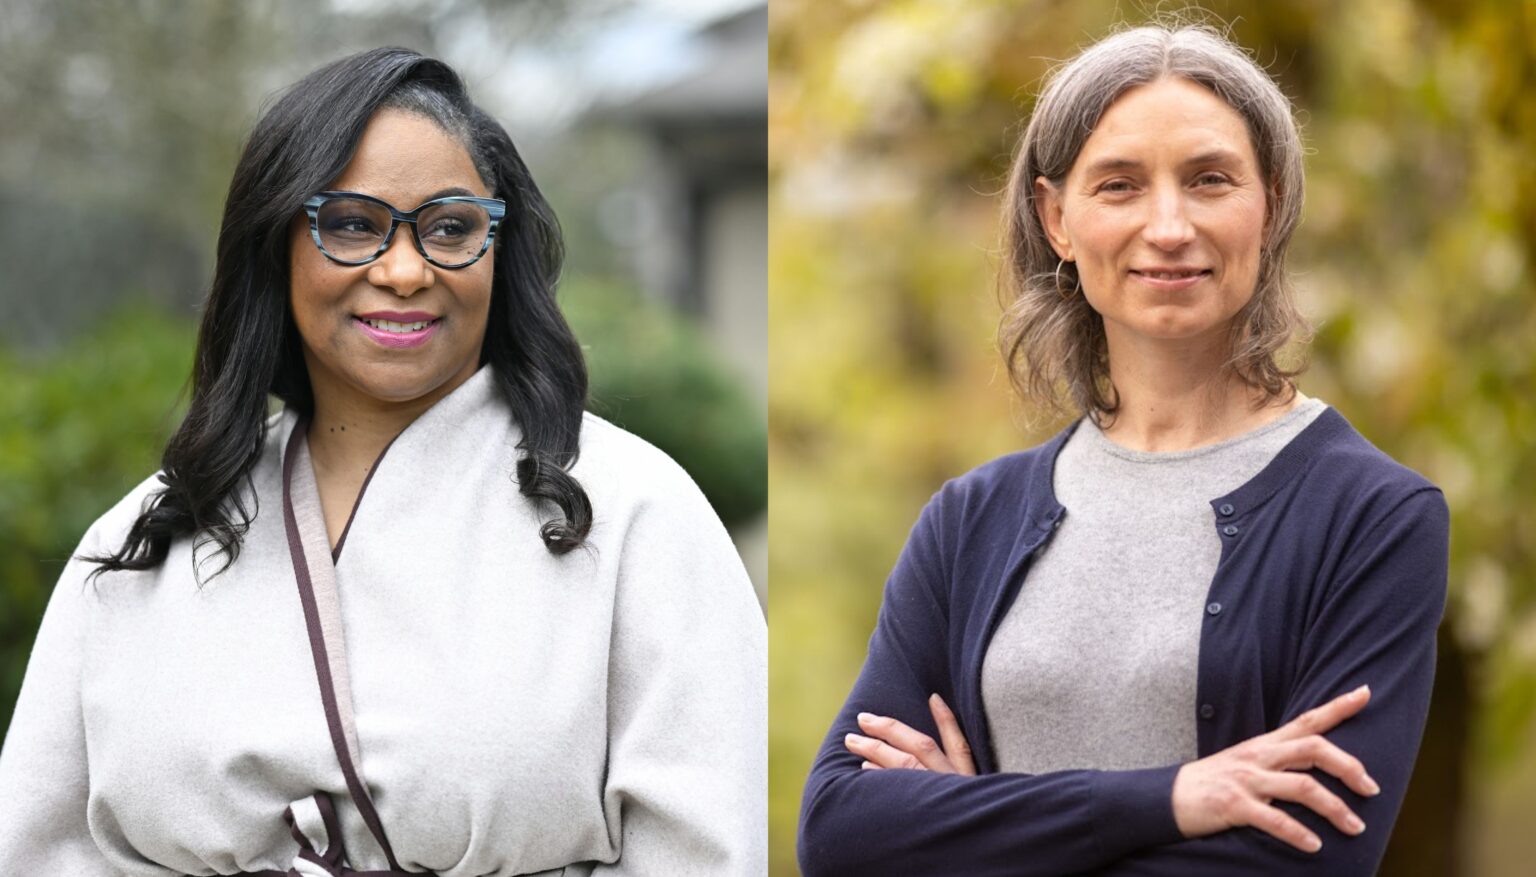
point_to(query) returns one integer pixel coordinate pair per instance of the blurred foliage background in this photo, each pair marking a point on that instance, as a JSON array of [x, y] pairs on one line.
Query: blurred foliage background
[[123, 123], [891, 128]]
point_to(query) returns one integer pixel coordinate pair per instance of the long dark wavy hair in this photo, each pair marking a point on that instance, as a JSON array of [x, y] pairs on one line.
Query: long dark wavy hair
[[249, 347]]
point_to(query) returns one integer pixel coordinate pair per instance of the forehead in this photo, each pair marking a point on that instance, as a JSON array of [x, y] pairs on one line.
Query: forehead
[[405, 158], [1165, 122]]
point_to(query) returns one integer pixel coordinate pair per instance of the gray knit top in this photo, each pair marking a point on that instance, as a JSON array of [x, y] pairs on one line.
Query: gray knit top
[[1094, 664]]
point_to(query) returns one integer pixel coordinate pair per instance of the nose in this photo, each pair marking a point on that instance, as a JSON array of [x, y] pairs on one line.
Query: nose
[[1168, 227], [400, 267]]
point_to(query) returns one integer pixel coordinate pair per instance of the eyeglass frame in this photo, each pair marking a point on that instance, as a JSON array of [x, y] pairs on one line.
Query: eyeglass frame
[[494, 207]]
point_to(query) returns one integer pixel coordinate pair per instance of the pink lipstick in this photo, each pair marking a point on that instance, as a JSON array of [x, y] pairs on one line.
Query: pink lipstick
[[396, 339]]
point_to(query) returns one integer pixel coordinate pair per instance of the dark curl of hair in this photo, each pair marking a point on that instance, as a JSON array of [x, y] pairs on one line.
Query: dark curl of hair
[[248, 346]]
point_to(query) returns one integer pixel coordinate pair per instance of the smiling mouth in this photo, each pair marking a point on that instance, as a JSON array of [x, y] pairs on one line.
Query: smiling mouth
[[397, 328], [1171, 275]]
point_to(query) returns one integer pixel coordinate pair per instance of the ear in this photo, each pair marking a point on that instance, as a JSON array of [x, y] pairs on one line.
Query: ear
[[1272, 191], [1048, 208]]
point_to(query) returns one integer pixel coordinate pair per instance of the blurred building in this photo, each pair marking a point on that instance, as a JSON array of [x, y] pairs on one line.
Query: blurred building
[[701, 217]]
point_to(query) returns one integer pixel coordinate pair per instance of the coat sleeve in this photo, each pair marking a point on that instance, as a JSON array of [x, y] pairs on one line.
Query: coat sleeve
[[43, 779], [899, 822], [1377, 627], [687, 697]]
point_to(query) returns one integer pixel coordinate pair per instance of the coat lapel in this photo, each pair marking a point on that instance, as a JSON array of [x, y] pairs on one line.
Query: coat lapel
[[315, 574]]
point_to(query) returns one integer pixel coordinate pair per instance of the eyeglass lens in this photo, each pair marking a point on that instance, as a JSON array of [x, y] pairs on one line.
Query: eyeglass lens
[[452, 232]]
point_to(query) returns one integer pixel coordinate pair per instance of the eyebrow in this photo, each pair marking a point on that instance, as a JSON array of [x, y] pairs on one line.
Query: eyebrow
[[452, 190], [1210, 156]]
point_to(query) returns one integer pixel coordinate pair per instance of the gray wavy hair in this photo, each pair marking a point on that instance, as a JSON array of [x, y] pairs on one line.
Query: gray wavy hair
[[1052, 340]]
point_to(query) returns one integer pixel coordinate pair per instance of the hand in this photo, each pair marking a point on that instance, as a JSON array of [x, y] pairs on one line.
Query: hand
[[891, 744], [1234, 786]]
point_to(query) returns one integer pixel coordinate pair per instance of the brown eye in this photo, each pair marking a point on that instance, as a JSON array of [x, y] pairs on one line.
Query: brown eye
[[348, 225], [448, 229]]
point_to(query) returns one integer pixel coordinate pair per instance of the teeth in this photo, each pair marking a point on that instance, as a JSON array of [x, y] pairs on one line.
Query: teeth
[[389, 326], [1169, 275]]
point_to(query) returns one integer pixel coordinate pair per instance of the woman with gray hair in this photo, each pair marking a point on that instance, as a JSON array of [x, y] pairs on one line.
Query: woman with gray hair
[[1193, 633]]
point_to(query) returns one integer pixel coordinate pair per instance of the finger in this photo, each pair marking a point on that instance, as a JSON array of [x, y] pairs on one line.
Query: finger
[[906, 739], [956, 747], [1319, 752], [880, 753], [869, 765], [1320, 719], [1274, 821], [1307, 791]]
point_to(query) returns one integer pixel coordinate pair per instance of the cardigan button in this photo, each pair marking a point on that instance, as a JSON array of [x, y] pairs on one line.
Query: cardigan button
[[1226, 508], [1207, 711], [1230, 530], [1213, 609]]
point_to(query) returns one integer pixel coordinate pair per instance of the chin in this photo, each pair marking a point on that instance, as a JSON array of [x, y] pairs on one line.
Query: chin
[[1178, 327], [1179, 331], [399, 384]]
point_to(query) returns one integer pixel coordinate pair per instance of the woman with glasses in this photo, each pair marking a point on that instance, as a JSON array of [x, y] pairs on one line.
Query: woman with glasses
[[1194, 632], [429, 617]]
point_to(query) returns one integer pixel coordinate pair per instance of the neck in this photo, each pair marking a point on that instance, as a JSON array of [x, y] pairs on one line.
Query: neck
[[1176, 395], [350, 429]]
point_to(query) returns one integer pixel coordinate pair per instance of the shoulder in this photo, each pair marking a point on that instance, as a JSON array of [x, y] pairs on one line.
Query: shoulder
[[649, 509], [607, 448], [1334, 493], [1346, 470], [107, 533], [624, 470], [1378, 530]]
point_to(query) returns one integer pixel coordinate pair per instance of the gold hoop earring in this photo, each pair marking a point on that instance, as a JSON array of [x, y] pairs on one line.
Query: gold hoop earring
[[1057, 275]]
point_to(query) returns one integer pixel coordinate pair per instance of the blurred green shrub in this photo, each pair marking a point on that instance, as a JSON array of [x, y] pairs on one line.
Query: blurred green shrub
[[81, 424], [655, 376]]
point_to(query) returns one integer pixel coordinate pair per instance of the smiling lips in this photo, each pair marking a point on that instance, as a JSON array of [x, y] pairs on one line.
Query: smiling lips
[[1171, 278], [395, 329]]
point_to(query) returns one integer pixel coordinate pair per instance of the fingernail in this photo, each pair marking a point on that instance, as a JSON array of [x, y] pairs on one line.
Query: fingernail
[[1313, 844], [1371, 788], [1355, 825], [866, 717], [1362, 691], [854, 739]]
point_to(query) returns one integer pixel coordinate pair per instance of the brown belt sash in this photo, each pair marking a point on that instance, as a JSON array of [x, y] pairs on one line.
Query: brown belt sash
[[315, 572]]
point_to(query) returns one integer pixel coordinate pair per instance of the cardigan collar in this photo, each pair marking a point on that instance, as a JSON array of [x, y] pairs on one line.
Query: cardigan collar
[[1287, 465]]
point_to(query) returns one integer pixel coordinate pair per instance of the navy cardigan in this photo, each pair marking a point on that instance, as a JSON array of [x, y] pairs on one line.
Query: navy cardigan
[[1332, 574]]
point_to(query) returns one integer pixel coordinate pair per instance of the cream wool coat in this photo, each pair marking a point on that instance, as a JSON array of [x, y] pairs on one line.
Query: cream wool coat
[[511, 712]]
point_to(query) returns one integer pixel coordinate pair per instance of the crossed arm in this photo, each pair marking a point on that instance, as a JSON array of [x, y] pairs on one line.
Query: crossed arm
[[1229, 789], [1377, 626]]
